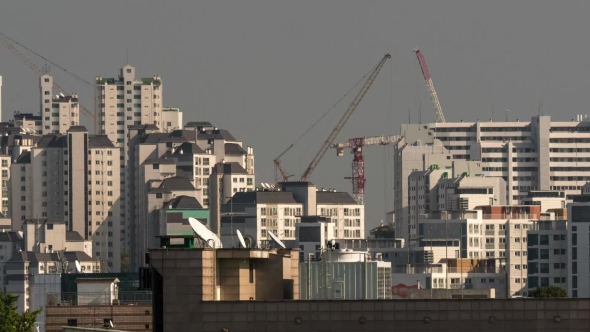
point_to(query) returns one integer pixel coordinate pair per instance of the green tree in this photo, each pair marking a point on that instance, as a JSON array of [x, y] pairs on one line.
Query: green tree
[[125, 262], [549, 291], [11, 320]]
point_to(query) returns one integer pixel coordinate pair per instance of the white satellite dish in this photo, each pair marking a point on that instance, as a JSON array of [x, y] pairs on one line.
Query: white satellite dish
[[241, 238], [276, 239], [61, 94], [204, 233], [78, 267]]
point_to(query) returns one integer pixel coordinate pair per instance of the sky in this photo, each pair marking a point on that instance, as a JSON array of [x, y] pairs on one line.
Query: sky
[[268, 70]]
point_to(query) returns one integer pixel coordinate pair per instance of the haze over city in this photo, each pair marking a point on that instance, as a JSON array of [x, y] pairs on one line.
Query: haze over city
[[267, 70]]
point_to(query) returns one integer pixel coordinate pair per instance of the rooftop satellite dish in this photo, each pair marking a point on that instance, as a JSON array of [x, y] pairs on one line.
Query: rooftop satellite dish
[[276, 240], [205, 234], [241, 238], [78, 267], [61, 94]]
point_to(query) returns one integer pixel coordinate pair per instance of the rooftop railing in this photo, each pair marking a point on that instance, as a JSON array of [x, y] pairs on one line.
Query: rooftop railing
[[99, 298]]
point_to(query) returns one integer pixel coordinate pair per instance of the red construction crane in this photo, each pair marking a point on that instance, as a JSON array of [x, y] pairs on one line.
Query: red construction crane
[[330, 140], [440, 117], [358, 162]]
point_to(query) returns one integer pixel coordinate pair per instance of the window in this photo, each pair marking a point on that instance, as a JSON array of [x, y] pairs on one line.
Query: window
[[72, 322]]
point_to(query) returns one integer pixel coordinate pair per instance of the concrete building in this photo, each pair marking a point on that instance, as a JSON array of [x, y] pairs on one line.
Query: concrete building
[[171, 119], [536, 155], [435, 190], [126, 316], [58, 112], [125, 101], [212, 161], [257, 213], [28, 122], [547, 254], [218, 275], [74, 178], [578, 247], [491, 232], [24, 264]]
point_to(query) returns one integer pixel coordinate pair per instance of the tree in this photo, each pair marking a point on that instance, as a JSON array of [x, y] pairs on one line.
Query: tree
[[549, 291], [11, 320], [125, 262]]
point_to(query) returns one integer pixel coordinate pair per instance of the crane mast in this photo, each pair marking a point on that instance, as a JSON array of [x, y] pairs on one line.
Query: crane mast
[[440, 117], [330, 140], [358, 162]]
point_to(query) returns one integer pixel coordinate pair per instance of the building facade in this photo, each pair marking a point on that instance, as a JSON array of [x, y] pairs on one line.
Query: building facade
[[537, 155], [58, 112], [74, 178]]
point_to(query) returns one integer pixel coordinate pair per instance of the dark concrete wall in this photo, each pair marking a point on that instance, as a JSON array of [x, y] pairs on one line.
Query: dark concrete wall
[[395, 315]]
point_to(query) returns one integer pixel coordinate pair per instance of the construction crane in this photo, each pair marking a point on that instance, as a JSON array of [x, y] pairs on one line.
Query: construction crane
[[6, 42], [279, 166], [358, 161], [440, 117], [330, 140]]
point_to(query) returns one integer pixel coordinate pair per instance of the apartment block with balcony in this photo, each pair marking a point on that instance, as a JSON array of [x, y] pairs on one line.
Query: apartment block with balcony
[[437, 190], [539, 154], [491, 232], [257, 213], [73, 178], [547, 254]]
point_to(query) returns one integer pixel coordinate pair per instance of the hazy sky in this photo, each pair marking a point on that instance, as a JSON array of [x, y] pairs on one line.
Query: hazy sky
[[267, 70]]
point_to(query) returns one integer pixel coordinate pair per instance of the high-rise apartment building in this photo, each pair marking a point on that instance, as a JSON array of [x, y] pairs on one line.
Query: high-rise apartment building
[[58, 112], [75, 178], [536, 155], [125, 101]]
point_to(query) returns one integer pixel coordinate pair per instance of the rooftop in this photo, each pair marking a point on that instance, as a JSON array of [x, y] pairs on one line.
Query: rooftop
[[263, 197], [29, 256], [184, 202]]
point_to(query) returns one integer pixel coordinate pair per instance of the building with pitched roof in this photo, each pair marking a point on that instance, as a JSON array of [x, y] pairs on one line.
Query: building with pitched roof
[[73, 178]]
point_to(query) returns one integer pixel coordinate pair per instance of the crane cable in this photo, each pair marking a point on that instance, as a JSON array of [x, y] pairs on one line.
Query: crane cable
[[329, 110], [44, 58]]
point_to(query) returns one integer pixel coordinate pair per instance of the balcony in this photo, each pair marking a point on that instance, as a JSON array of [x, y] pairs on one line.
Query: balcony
[[490, 246], [490, 232], [483, 269]]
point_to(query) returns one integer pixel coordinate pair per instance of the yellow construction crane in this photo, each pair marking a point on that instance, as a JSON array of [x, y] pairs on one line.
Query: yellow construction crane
[[8, 43]]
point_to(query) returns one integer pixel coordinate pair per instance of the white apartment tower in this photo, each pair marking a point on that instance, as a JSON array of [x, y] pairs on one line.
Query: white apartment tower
[[125, 101], [58, 112], [74, 178], [537, 155]]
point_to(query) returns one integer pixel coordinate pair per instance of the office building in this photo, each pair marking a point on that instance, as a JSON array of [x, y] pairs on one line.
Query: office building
[[58, 112], [537, 155], [75, 178]]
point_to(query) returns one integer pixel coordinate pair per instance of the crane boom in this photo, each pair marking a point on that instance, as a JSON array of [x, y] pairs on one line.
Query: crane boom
[[358, 162], [4, 41], [279, 166], [365, 141], [440, 117], [330, 140]]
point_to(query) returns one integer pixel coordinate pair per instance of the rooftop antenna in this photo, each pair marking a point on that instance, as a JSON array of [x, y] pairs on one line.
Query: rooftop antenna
[[205, 234], [409, 115], [276, 240], [507, 115], [540, 108], [241, 238], [127, 55]]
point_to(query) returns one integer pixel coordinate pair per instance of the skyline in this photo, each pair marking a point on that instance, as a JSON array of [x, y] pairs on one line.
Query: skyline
[[270, 71]]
